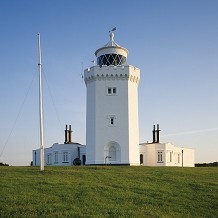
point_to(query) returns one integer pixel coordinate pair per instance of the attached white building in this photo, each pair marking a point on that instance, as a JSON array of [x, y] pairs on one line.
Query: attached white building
[[165, 154], [150, 154], [61, 155], [67, 154]]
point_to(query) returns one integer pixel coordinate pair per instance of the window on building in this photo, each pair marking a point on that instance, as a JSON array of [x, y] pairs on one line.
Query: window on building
[[178, 158], [171, 156], [111, 90], [49, 157], [56, 157], [159, 156], [65, 156], [111, 120], [111, 59]]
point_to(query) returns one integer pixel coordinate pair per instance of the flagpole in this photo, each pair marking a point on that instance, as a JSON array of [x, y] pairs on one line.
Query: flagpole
[[41, 108]]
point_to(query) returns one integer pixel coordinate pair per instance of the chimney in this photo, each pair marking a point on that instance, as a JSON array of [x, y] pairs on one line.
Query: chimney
[[66, 136], [154, 131], [158, 134], [70, 135]]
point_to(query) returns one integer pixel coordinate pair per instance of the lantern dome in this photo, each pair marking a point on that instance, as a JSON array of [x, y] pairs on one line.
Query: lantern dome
[[111, 53]]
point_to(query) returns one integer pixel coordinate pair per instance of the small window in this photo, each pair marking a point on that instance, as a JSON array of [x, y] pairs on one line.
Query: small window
[[56, 157], [65, 156], [171, 156], [109, 91], [159, 156], [112, 120], [49, 157]]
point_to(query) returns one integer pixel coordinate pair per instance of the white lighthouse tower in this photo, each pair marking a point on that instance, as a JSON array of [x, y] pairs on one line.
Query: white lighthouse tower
[[112, 134]]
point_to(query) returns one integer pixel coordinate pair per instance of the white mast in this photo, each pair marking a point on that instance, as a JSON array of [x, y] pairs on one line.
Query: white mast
[[41, 109]]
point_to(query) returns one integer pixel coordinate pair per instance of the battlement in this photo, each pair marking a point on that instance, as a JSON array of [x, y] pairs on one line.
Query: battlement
[[112, 72]]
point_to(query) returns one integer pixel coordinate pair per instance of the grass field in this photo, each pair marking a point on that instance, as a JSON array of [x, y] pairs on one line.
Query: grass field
[[109, 192]]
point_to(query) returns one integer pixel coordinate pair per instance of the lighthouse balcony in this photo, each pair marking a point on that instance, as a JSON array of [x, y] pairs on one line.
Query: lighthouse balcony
[[112, 72]]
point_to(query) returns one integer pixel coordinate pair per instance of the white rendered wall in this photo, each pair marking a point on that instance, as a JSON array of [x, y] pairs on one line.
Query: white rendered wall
[[181, 156], [178, 158], [133, 122], [123, 106], [58, 149], [188, 157]]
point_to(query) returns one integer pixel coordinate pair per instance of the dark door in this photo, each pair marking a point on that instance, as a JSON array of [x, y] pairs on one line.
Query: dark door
[[84, 159]]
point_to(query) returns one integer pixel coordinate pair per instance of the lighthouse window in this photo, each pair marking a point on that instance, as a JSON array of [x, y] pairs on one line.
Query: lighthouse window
[[112, 120], [111, 90], [111, 59]]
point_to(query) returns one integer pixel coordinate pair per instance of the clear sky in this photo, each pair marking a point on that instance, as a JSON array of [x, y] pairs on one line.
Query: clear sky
[[173, 42]]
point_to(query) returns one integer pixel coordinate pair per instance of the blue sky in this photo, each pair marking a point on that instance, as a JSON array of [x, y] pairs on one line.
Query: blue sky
[[173, 42]]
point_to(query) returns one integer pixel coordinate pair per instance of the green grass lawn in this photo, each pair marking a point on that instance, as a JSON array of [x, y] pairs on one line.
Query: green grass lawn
[[109, 192]]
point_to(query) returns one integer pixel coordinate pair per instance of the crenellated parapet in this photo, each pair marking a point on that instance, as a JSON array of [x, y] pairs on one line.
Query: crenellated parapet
[[124, 72]]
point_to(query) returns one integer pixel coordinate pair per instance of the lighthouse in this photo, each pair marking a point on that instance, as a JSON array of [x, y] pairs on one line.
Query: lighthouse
[[112, 132]]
